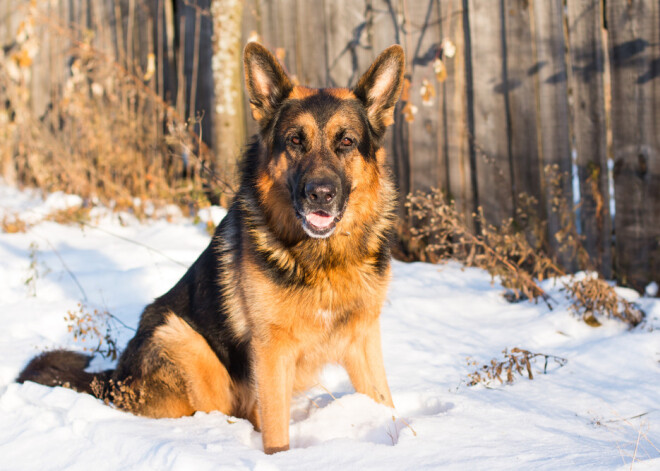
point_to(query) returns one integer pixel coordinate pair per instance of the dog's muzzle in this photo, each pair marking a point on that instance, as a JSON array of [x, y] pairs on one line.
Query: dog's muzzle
[[320, 210]]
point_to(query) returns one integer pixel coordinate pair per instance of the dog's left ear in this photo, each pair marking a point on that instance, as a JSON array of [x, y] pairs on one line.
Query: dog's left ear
[[380, 87], [267, 84]]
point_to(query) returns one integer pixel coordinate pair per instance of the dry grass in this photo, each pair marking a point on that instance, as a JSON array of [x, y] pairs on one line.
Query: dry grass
[[593, 297], [73, 214], [442, 233], [106, 133], [632, 437], [515, 253]]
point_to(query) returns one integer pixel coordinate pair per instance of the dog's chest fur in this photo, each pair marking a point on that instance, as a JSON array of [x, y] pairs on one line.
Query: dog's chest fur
[[335, 296]]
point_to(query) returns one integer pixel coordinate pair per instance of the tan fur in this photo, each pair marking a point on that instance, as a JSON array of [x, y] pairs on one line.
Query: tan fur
[[292, 344], [188, 376], [257, 115], [341, 93], [299, 92], [208, 386]]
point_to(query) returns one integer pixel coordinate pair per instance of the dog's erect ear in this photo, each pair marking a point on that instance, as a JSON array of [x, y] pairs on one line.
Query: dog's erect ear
[[379, 88], [266, 82]]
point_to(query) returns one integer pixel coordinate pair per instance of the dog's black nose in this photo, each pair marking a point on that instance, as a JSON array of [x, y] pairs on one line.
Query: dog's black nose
[[320, 192]]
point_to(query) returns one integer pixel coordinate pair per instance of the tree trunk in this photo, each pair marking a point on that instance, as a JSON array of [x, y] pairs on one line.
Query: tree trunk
[[227, 52]]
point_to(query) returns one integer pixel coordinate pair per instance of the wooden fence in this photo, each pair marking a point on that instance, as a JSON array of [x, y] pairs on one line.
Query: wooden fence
[[504, 97]]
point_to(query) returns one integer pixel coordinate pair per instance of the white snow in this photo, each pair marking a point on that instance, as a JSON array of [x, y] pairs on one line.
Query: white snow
[[599, 411]]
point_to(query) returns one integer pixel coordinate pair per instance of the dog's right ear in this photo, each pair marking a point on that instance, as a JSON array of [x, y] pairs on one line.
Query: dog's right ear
[[266, 82]]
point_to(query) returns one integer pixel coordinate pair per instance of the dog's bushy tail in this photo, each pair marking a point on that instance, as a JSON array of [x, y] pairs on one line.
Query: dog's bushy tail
[[64, 368]]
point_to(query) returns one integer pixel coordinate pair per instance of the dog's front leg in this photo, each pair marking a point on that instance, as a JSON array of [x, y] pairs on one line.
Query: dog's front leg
[[363, 361], [274, 374]]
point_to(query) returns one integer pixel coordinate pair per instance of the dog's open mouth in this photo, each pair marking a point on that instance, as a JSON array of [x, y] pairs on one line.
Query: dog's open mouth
[[320, 219], [319, 224]]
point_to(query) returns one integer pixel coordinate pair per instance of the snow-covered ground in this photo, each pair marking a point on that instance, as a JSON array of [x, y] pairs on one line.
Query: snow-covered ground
[[600, 411]]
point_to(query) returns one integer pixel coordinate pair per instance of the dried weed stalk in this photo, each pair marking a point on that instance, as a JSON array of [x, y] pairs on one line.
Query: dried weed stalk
[[36, 270], [95, 327], [516, 362]]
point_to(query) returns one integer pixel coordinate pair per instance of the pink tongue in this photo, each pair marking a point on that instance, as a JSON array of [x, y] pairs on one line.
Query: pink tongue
[[320, 220]]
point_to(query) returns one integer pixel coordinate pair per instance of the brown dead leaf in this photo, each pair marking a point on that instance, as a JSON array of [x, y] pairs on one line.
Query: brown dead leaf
[[440, 70]]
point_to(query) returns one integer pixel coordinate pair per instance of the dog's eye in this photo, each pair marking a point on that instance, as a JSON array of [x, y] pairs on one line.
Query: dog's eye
[[347, 142], [296, 140]]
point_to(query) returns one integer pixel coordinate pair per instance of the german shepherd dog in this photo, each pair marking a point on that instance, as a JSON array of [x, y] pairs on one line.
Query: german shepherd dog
[[294, 277]]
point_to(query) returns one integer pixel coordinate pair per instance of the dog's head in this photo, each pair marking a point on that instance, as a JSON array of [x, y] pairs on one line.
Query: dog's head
[[321, 145]]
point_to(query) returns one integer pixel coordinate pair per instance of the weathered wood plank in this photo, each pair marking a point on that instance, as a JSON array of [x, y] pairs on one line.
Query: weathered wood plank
[[585, 22], [143, 38], [428, 167], [634, 41], [553, 113], [279, 31], [490, 134], [311, 43], [169, 51], [454, 123], [439, 156], [348, 49], [198, 56], [41, 77], [520, 92]]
